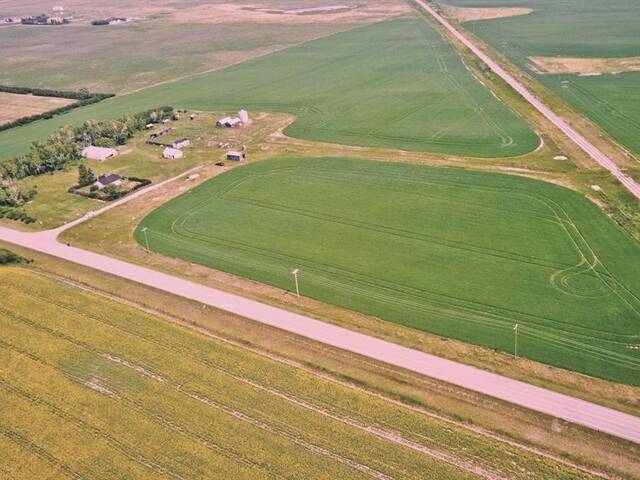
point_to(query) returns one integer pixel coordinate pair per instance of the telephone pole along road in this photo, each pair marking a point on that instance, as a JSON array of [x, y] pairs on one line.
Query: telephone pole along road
[[571, 409], [591, 150]]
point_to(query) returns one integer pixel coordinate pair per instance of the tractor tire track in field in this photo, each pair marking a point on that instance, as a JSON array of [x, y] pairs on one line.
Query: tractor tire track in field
[[580, 244], [327, 376], [39, 452], [146, 372], [455, 310], [207, 441], [387, 433], [113, 442], [204, 399]]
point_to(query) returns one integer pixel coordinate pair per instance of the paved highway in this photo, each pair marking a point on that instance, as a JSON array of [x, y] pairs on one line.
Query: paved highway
[[535, 398], [568, 130]]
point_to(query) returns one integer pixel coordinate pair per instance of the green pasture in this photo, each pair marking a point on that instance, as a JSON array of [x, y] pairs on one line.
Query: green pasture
[[91, 388], [575, 28], [458, 253], [395, 84]]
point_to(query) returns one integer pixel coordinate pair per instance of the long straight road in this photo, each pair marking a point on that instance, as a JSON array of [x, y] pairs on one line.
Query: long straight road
[[591, 150], [535, 398]]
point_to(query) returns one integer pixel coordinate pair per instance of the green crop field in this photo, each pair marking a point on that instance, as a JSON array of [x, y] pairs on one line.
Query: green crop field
[[395, 84], [581, 29], [461, 254], [91, 388], [167, 40]]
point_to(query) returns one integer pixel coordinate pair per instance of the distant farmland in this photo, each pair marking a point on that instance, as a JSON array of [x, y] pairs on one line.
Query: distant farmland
[[395, 84], [461, 254], [90, 388], [16, 106], [587, 29]]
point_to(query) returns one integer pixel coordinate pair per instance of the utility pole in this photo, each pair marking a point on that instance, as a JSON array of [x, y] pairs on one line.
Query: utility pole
[[295, 277], [146, 238], [515, 341]]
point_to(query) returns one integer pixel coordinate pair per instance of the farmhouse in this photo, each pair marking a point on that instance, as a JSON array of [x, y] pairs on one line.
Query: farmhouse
[[98, 153], [236, 156], [106, 180], [172, 153], [183, 142]]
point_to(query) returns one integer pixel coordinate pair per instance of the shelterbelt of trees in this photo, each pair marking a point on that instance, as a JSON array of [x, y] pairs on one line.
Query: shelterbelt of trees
[[84, 97], [64, 146]]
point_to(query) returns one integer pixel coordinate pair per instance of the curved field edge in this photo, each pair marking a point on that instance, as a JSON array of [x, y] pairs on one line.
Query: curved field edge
[[395, 84], [457, 253]]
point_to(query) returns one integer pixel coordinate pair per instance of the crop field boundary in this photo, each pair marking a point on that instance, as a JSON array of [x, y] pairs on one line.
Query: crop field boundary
[[587, 277]]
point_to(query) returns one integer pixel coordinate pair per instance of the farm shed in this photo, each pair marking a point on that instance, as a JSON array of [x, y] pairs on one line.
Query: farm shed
[[98, 153], [106, 180], [235, 156], [228, 122], [172, 153]]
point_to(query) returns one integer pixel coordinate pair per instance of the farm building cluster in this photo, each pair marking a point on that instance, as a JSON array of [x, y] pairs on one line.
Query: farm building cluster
[[111, 21], [161, 134], [56, 18]]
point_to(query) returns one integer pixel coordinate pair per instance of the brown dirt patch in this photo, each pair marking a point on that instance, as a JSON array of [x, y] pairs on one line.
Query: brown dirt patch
[[16, 106], [232, 13], [587, 66], [467, 14]]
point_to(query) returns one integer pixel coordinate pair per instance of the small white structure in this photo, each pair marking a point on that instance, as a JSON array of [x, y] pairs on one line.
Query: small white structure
[[228, 122], [243, 115], [98, 153], [172, 153], [235, 156], [106, 180], [183, 142]]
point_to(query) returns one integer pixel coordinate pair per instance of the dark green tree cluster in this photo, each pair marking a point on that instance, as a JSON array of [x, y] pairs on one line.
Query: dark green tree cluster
[[86, 176], [16, 214], [12, 196], [7, 257]]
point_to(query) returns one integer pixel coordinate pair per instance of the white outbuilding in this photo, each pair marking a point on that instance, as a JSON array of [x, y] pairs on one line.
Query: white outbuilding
[[98, 153], [172, 153], [236, 156]]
